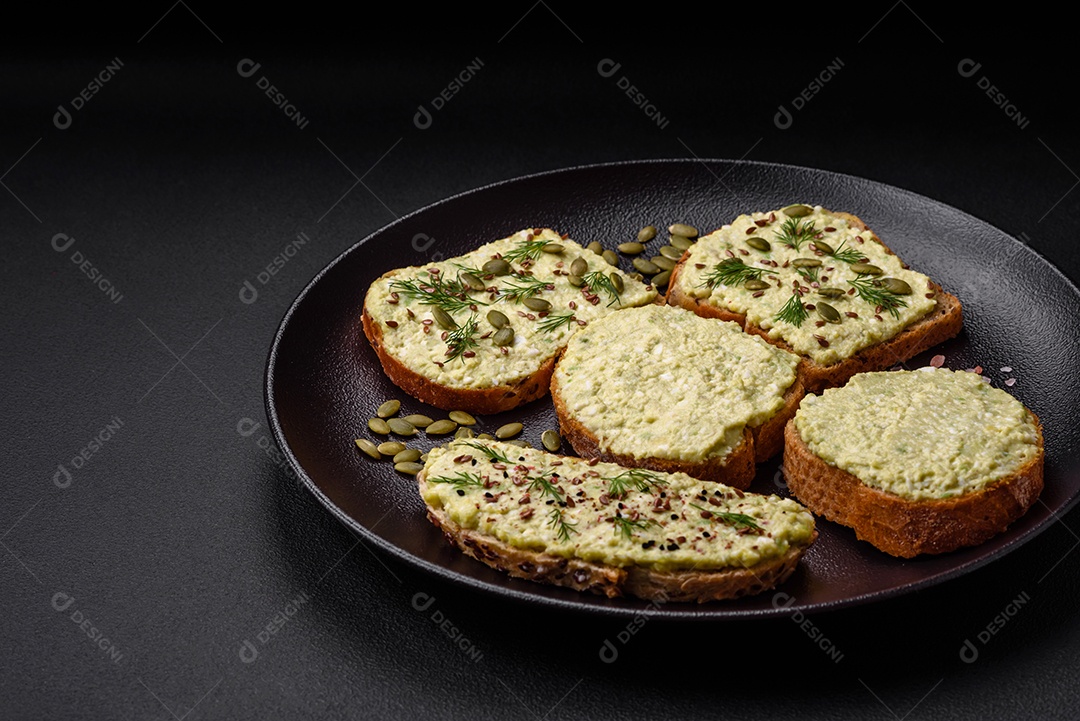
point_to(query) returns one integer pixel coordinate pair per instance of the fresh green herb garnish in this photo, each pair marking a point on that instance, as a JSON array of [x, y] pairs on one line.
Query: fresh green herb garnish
[[878, 296], [730, 272], [847, 255], [626, 527], [493, 454], [526, 249], [600, 281], [554, 320], [810, 274], [545, 487], [793, 312], [793, 233], [461, 481], [462, 339], [738, 520], [448, 295], [563, 528], [520, 287], [636, 479]]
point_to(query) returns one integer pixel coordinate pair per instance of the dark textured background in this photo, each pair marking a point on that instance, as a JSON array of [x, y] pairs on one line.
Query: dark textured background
[[180, 539]]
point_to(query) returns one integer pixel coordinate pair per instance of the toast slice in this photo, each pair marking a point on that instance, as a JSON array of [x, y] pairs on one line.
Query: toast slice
[[436, 328], [600, 528], [660, 388], [889, 498], [873, 328]]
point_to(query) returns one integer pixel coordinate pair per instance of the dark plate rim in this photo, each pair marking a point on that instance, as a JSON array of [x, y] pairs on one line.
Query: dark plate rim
[[652, 610]]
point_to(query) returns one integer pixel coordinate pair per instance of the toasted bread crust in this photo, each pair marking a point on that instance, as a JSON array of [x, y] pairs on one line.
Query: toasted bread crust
[[475, 400], [902, 527], [613, 582], [737, 469], [944, 322]]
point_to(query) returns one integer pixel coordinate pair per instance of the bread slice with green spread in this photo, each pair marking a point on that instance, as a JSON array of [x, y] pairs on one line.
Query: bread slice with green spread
[[481, 332], [820, 284], [661, 388], [601, 528], [916, 462]]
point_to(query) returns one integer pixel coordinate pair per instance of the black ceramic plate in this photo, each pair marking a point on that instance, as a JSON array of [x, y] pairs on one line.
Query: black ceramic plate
[[323, 380]]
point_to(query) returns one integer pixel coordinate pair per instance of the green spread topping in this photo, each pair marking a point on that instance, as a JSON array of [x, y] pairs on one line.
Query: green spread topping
[[775, 268], [662, 382], [566, 506], [920, 434]]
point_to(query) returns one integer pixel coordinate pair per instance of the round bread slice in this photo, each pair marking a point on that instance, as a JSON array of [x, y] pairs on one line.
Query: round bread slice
[[898, 513], [919, 333], [660, 388], [600, 528]]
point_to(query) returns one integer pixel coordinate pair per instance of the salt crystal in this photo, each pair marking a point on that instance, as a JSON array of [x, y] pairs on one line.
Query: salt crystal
[[1010, 382]]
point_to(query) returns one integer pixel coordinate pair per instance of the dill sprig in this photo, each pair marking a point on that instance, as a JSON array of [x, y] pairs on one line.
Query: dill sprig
[[526, 249], [878, 296], [554, 320], [731, 272], [562, 527], [793, 233], [636, 479], [600, 281], [520, 287], [545, 487], [450, 296], [809, 274], [461, 339], [479, 273], [493, 454], [847, 255], [460, 481], [793, 312], [738, 520], [626, 527]]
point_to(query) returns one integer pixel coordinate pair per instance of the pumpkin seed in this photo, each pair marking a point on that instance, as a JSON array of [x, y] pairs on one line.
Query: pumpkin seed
[[472, 281], [410, 468], [441, 428], [443, 318], [378, 425], [537, 304], [610, 257], [552, 248], [388, 409], [646, 234], [797, 210], [645, 266], [409, 455], [485, 437], [369, 448], [496, 266], [823, 247], [631, 248], [391, 448], [895, 285], [503, 337], [865, 269], [464, 432], [806, 263], [661, 279], [754, 284], [687, 231], [519, 444], [497, 319], [401, 427], [637, 276], [579, 267], [670, 251], [462, 418], [617, 282], [595, 247], [509, 431], [663, 263], [680, 241], [575, 280], [418, 420], [551, 440], [759, 244], [828, 313], [831, 292]]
